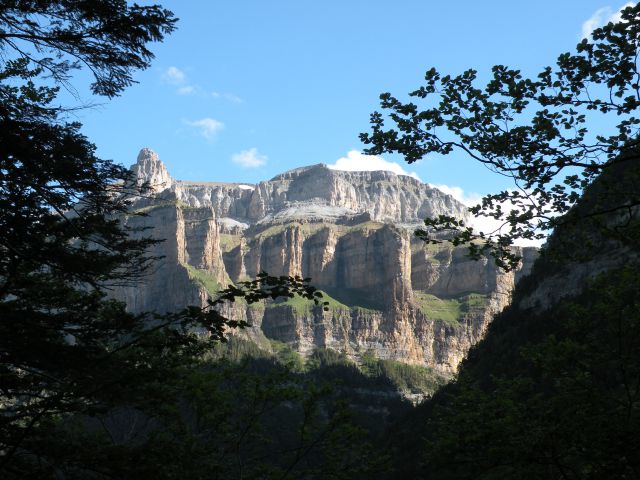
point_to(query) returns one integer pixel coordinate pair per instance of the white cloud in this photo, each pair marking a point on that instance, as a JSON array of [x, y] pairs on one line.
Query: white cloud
[[207, 127], [233, 98], [227, 96], [249, 158], [174, 76], [487, 225], [617, 16], [356, 161], [601, 17], [186, 90], [468, 198], [178, 78]]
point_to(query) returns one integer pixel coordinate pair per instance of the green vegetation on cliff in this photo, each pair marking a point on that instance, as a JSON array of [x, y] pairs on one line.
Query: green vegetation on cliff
[[309, 229], [358, 298], [449, 310], [377, 374], [302, 305], [445, 310], [203, 278], [228, 242], [405, 377]]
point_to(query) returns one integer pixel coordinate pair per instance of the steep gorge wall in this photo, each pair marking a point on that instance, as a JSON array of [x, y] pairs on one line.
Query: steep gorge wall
[[351, 233]]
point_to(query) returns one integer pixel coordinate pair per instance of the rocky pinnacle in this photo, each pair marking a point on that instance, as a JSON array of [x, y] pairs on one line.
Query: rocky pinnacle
[[151, 171]]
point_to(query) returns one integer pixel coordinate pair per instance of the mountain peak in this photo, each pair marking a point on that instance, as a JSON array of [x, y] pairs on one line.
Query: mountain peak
[[150, 170], [146, 154]]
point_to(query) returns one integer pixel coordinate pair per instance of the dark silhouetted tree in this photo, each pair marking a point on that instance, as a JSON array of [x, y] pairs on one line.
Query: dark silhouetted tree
[[67, 352], [534, 130], [552, 390]]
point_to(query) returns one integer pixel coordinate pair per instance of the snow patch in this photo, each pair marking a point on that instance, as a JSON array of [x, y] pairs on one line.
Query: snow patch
[[231, 223], [308, 211]]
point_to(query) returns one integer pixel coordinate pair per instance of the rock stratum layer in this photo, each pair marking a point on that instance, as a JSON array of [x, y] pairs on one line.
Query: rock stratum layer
[[350, 232]]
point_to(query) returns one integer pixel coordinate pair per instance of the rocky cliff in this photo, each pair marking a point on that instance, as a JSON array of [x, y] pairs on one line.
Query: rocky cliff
[[351, 232]]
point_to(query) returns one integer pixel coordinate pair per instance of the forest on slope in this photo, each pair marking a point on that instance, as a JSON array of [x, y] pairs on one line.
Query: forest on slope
[[552, 390]]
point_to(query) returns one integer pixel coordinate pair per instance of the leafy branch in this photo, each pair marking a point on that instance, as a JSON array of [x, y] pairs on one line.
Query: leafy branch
[[532, 130]]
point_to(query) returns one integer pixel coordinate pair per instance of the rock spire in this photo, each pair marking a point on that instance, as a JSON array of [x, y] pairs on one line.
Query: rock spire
[[150, 170]]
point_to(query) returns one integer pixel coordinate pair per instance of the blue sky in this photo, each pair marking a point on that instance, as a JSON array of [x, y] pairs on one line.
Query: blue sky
[[246, 89]]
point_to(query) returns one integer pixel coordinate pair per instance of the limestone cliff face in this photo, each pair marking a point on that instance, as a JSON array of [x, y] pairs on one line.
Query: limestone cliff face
[[351, 233], [320, 192], [167, 287]]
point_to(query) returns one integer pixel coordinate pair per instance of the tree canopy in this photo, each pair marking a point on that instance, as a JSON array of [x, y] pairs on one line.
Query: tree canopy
[[534, 130], [109, 37], [67, 352], [552, 389]]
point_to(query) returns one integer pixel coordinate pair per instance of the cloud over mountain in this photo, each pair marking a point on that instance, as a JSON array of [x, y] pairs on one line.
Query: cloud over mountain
[[250, 158], [356, 161]]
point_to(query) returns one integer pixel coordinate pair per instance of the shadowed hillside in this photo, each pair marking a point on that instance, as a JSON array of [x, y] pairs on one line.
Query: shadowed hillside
[[552, 390]]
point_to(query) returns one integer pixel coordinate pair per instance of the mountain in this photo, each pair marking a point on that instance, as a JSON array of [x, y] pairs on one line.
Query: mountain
[[389, 294], [552, 390]]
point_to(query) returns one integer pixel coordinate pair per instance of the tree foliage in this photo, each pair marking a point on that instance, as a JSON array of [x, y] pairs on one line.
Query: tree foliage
[[533, 130], [257, 419], [552, 390], [108, 37], [549, 395], [69, 354]]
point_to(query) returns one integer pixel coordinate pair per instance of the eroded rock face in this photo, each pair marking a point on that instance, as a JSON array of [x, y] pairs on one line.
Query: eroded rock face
[[350, 232], [318, 192], [167, 287], [150, 171]]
